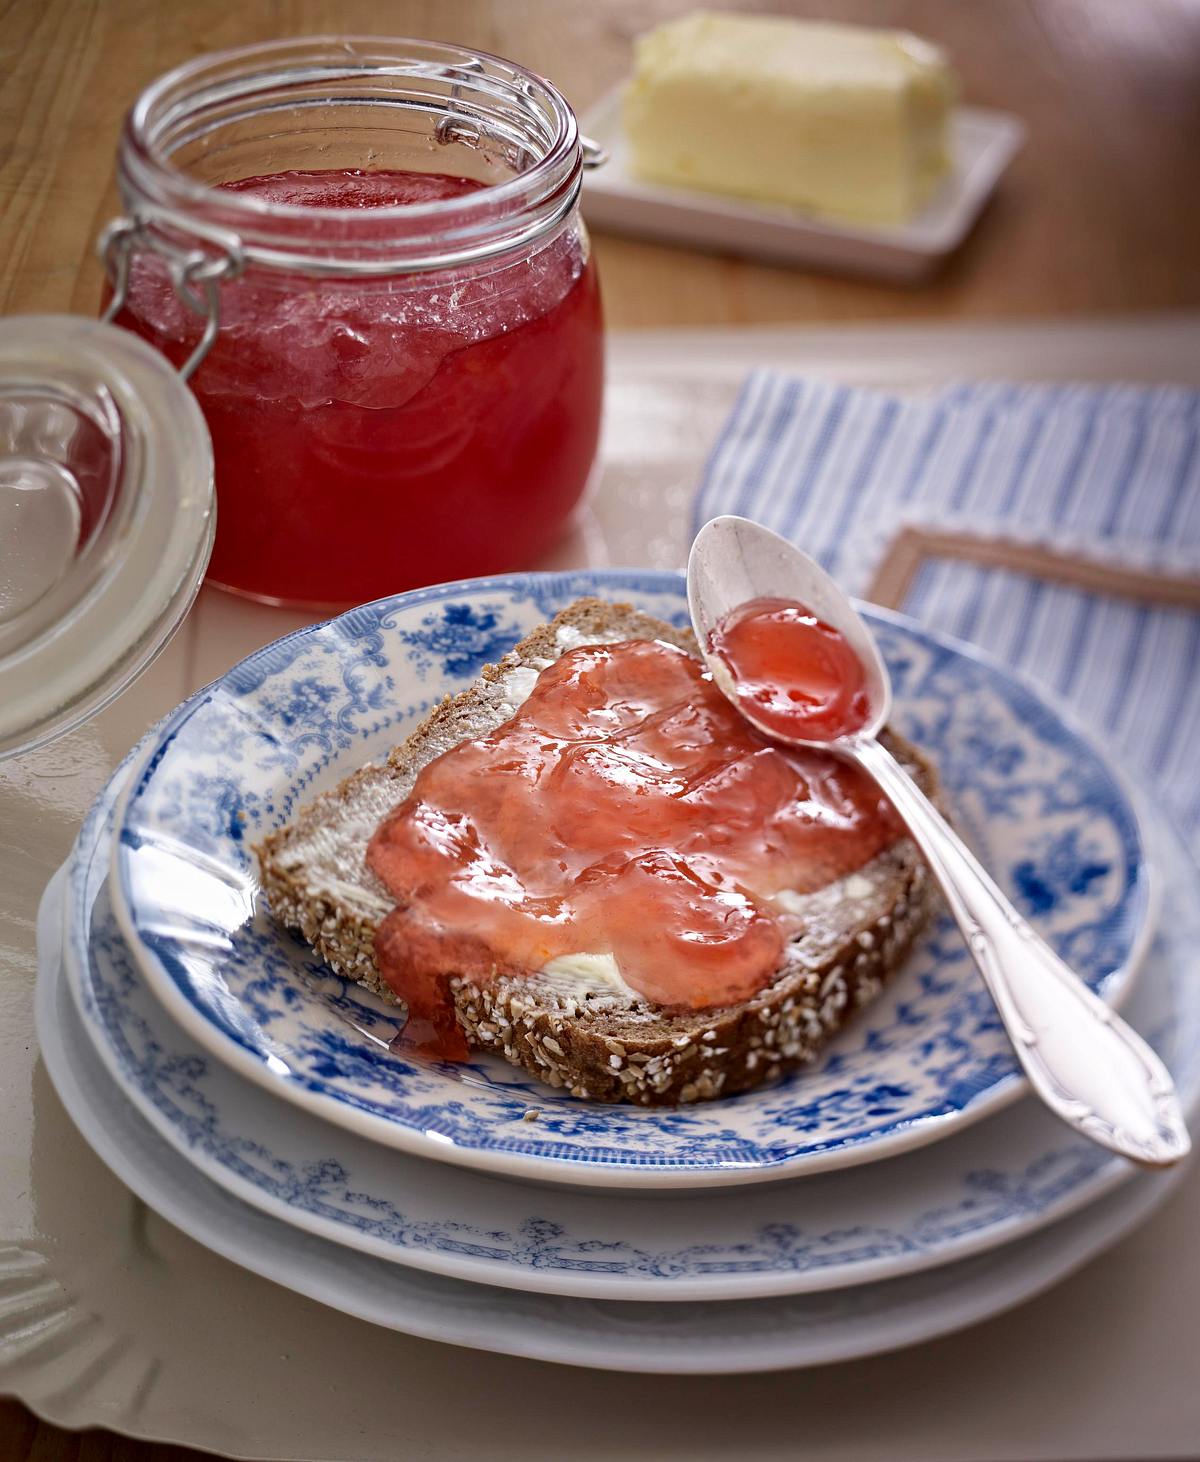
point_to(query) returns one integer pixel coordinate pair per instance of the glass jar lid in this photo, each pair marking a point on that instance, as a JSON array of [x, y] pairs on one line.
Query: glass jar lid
[[106, 517]]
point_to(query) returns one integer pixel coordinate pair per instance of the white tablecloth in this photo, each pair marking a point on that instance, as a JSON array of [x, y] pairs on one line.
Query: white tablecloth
[[140, 1329]]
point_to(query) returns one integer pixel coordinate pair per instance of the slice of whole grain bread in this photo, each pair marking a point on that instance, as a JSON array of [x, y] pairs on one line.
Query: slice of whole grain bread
[[599, 1041]]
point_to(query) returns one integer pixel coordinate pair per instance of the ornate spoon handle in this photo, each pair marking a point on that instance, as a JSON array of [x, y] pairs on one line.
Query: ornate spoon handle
[[1086, 1064]]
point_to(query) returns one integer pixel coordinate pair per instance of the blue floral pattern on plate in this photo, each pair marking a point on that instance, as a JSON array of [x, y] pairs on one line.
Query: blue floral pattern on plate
[[1037, 799], [988, 1186]]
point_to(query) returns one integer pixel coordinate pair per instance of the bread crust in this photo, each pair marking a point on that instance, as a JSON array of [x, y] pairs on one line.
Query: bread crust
[[599, 1043]]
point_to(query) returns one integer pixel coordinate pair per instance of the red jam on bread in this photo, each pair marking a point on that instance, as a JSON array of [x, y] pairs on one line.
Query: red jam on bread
[[627, 808], [795, 674]]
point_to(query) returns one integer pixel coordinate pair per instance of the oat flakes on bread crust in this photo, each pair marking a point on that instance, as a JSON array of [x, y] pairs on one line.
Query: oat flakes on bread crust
[[598, 1042]]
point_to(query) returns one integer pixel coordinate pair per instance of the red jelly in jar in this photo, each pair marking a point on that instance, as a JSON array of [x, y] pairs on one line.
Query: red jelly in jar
[[406, 383]]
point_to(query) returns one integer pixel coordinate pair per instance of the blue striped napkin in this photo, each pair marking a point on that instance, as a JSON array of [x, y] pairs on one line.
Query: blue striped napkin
[[1111, 473]]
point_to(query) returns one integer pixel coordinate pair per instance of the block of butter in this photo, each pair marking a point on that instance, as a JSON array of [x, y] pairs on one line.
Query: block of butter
[[839, 120]]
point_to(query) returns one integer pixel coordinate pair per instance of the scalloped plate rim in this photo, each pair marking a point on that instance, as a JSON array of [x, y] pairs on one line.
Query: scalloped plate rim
[[549, 1280], [1123, 1210]]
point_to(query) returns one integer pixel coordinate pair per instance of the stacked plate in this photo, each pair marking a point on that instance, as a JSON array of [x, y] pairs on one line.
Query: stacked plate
[[262, 1104]]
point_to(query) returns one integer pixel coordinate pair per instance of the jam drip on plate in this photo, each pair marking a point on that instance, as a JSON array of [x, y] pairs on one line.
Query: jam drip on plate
[[626, 809]]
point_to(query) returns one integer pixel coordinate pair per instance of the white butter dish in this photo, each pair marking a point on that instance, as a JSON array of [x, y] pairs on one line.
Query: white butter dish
[[982, 144]]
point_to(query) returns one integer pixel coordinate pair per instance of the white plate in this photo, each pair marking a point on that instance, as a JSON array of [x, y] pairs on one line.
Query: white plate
[[701, 1339], [982, 144], [1004, 1179]]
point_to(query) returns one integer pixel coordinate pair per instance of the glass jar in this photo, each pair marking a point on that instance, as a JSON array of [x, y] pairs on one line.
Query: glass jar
[[368, 256]]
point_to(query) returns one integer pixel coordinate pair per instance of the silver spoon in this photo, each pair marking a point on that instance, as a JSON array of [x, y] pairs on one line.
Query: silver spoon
[[1084, 1062]]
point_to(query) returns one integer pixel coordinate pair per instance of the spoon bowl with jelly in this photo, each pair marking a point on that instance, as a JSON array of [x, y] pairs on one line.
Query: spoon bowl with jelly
[[790, 651]]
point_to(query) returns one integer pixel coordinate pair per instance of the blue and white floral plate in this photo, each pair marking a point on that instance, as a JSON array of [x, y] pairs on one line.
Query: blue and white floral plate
[[694, 1338], [691, 1339], [979, 1189], [1040, 803]]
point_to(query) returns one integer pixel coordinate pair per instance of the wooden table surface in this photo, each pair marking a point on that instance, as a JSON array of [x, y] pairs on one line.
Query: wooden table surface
[[1100, 213]]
